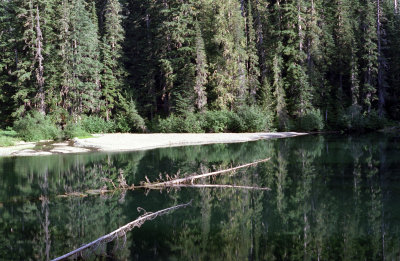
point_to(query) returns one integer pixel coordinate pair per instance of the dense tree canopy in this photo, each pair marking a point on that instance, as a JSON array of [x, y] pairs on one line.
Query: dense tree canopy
[[121, 58]]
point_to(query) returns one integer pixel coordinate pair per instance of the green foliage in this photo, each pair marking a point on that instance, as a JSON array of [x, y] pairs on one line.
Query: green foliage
[[129, 120], [292, 58], [312, 120], [217, 121], [8, 137], [72, 130], [252, 119], [36, 126], [190, 123], [355, 120], [247, 119], [95, 124]]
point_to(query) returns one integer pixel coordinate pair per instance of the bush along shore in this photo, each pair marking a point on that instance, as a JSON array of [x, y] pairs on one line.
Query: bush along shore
[[36, 126]]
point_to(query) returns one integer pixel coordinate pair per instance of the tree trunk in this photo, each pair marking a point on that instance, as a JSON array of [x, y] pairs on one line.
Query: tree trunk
[[39, 70]]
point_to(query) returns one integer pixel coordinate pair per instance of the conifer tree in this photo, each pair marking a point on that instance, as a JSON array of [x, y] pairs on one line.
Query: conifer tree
[[25, 56], [201, 71], [296, 83], [84, 94], [229, 71], [392, 29], [369, 54], [252, 65], [8, 60], [113, 72]]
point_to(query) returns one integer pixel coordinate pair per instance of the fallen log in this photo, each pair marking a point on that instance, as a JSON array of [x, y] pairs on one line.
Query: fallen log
[[174, 183], [121, 231], [190, 179]]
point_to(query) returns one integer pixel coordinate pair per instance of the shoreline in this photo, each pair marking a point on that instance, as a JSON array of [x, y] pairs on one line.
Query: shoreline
[[118, 142]]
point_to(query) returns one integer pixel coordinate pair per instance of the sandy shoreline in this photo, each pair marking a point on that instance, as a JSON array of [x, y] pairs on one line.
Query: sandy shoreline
[[117, 142]]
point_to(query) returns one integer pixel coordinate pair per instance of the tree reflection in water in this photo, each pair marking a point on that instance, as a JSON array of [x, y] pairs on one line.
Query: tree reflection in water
[[332, 197]]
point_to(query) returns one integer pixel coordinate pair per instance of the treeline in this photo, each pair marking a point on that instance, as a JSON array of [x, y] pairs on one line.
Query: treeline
[[301, 64]]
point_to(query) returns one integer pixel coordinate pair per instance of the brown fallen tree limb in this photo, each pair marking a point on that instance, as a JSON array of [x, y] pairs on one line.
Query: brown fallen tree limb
[[190, 179], [122, 230], [175, 183]]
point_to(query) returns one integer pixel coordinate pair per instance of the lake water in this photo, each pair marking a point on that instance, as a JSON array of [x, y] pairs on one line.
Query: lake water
[[332, 197]]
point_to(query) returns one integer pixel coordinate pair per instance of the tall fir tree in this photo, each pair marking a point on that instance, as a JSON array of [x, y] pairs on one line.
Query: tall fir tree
[[113, 73], [84, 93], [8, 60], [201, 72], [228, 64], [252, 63]]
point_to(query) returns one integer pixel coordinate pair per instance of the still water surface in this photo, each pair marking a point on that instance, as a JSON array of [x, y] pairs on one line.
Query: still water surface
[[333, 197]]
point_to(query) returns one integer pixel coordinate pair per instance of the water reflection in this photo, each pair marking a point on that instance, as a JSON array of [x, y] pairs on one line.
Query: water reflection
[[332, 197]]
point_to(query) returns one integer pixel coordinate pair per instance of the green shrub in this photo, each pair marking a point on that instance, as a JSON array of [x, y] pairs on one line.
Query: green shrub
[[252, 119], [171, 124], [216, 121], [374, 122], [355, 120], [130, 120], [36, 126], [95, 124], [189, 123], [6, 141], [194, 123], [235, 123], [72, 130], [312, 120]]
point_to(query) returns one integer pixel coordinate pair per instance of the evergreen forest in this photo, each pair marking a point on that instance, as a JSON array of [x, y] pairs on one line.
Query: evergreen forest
[[199, 65]]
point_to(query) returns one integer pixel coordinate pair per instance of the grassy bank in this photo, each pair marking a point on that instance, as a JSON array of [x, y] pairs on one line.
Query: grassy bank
[[8, 137]]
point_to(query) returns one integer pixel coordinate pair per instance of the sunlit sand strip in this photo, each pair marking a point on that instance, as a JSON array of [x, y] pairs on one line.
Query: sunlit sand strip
[[131, 142]]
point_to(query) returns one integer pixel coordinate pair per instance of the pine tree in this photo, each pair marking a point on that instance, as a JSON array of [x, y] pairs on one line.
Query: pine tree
[[252, 65], [8, 60], [25, 56], [113, 72], [228, 64], [369, 54], [177, 38], [201, 71], [392, 29], [84, 93], [296, 83]]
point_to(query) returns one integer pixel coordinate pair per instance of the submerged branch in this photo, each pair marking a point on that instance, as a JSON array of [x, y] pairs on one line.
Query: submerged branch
[[122, 230]]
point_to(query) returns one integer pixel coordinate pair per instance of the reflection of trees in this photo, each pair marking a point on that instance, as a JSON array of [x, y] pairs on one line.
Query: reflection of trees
[[37, 224], [331, 198]]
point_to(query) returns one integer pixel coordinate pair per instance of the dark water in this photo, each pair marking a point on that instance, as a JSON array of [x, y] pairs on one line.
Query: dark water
[[332, 198]]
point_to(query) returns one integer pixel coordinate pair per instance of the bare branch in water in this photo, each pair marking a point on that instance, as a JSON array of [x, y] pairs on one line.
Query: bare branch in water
[[121, 232], [190, 179], [174, 182]]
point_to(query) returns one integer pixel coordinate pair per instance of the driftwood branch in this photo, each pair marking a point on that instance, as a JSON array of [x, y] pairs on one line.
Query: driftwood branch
[[122, 230], [173, 183], [190, 179]]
